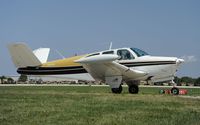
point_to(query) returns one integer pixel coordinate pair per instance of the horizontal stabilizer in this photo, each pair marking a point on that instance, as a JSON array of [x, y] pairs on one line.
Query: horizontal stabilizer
[[42, 54], [22, 55]]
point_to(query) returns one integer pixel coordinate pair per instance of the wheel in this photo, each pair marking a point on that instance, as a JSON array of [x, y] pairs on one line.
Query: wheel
[[133, 89], [117, 90], [175, 91]]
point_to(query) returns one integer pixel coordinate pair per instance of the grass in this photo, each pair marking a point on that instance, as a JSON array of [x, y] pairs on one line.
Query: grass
[[88, 105]]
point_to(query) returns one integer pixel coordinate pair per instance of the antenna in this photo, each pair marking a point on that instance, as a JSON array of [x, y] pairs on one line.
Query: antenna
[[110, 46], [59, 54]]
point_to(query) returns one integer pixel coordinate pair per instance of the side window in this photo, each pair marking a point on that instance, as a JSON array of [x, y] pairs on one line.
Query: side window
[[124, 54], [108, 52], [93, 54]]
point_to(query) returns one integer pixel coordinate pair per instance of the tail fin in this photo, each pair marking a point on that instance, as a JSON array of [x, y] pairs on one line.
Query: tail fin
[[22, 55], [42, 54]]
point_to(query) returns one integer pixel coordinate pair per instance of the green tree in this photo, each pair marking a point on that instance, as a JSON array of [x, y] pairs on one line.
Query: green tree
[[187, 80], [10, 80], [197, 82], [177, 80], [2, 79], [23, 78]]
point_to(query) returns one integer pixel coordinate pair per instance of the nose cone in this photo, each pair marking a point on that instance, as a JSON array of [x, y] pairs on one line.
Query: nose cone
[[179, 61]]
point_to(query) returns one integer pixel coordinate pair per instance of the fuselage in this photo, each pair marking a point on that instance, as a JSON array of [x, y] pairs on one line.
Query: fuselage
[[157, 68]]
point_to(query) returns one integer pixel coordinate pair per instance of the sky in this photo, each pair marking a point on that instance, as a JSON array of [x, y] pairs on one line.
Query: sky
[[160, 27]]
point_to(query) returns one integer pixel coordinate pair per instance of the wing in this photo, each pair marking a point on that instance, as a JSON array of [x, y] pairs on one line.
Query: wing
[[104, 66]]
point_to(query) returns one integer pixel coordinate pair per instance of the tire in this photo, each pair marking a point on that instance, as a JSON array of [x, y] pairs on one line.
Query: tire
[[175, 91], [133, 89], [117, 90]]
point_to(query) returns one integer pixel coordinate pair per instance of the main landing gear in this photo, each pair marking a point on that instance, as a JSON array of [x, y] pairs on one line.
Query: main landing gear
[[117, 90], [132, 88], [115, 83]]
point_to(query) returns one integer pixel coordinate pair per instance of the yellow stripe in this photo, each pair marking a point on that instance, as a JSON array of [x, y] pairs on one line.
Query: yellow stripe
[[63, 62]]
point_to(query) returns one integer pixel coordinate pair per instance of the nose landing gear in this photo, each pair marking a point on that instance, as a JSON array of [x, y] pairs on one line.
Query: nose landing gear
[[174, 91]]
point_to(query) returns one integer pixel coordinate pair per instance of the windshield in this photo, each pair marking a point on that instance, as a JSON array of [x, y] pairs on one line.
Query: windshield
[[139, 52]]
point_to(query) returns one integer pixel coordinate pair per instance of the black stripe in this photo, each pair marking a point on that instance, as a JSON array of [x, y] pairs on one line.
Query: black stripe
[[135, 64], [51, 70], [149, 62], [80, 69], [37, 72]]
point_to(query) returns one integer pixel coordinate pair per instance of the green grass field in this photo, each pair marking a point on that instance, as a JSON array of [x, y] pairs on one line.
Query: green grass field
[[89, 105]]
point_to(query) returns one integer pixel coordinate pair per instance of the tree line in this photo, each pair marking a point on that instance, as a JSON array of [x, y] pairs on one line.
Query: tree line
[[186, 80]]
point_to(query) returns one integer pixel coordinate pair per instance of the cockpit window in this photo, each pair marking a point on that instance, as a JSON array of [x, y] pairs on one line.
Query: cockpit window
[[139, 52], [124, 54], [93, 54], [108, 52]]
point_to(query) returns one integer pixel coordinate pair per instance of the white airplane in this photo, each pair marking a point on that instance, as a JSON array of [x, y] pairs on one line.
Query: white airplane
[[113, 66]]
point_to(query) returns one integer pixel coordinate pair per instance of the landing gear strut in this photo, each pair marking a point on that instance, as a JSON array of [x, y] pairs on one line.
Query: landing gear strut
[[174, 90], [133, 89], [117, 90]]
